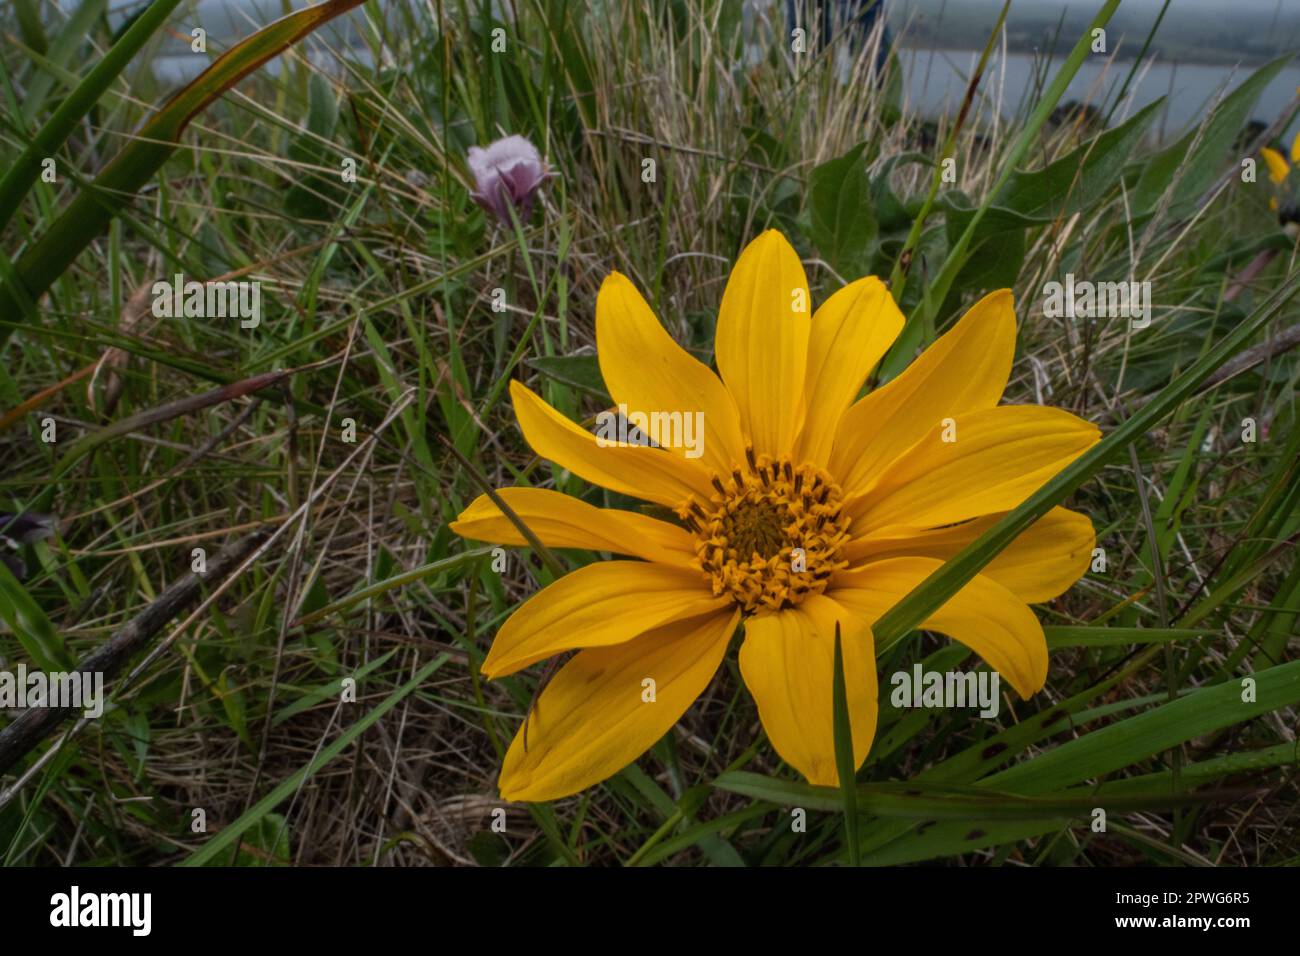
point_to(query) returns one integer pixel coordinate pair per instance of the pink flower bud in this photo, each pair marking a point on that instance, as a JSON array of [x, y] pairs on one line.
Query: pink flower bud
[[507, 171]]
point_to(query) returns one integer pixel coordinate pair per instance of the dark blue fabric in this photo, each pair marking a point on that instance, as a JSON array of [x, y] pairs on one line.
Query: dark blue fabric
[[857, 18]]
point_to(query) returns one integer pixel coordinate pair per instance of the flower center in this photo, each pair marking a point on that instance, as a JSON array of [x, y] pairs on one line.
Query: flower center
[[771, 534]]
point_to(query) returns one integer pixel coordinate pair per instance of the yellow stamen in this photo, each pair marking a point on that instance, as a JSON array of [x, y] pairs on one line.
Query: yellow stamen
[[748, 533]]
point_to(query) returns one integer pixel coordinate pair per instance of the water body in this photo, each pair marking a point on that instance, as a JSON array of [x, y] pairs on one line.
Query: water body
[[936, 81]]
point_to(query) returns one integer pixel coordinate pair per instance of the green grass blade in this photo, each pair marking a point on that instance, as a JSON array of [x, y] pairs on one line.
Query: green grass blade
[[78, 103], [90, 212], [1129, 741], [226, 837], [450, 563], [844, 751], [62, 50], [908, 801], [30, 625], [1061, 636]]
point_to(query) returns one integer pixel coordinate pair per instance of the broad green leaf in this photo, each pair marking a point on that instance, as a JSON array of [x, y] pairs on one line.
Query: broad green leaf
[[891, 215], [578, 371], [997, 255], [937, 290], [1197, 168], [1080, 180], [30, 625], [843, 212], [1069, 185]]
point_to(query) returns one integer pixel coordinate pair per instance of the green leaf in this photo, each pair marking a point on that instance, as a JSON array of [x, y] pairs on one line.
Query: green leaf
[[1060, 636], [266, 843], [236, 708], [1137, 738], [28, 622], [311, 193], [891, 215], [30, 26], [844, 762], [576, 371], [63, 52], [1153, 790], [843, 213], [696, 833], [1196, 171], [1067, 186], [1082, 179], [998, 251], [329, 691], [916, 801]]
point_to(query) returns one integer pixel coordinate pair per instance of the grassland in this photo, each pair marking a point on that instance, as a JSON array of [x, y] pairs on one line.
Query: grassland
[[377, 299]]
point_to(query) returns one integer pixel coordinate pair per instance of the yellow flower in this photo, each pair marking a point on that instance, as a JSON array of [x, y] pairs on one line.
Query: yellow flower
[[1279, 169], [876, 493]]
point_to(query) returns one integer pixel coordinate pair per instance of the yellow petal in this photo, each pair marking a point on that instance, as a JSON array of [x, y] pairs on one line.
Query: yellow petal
[[594, 718], [648, 372], [1044, 561], [762, 341], [600, 604], [1000, 456], [562, 521], [1277, 164], [850, 333], [640, 471], [965, 370], [788, 662], [1295, 148], [983, 615]]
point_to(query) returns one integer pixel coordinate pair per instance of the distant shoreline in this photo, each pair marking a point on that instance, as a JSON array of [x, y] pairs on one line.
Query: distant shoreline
[[1157, 55]]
